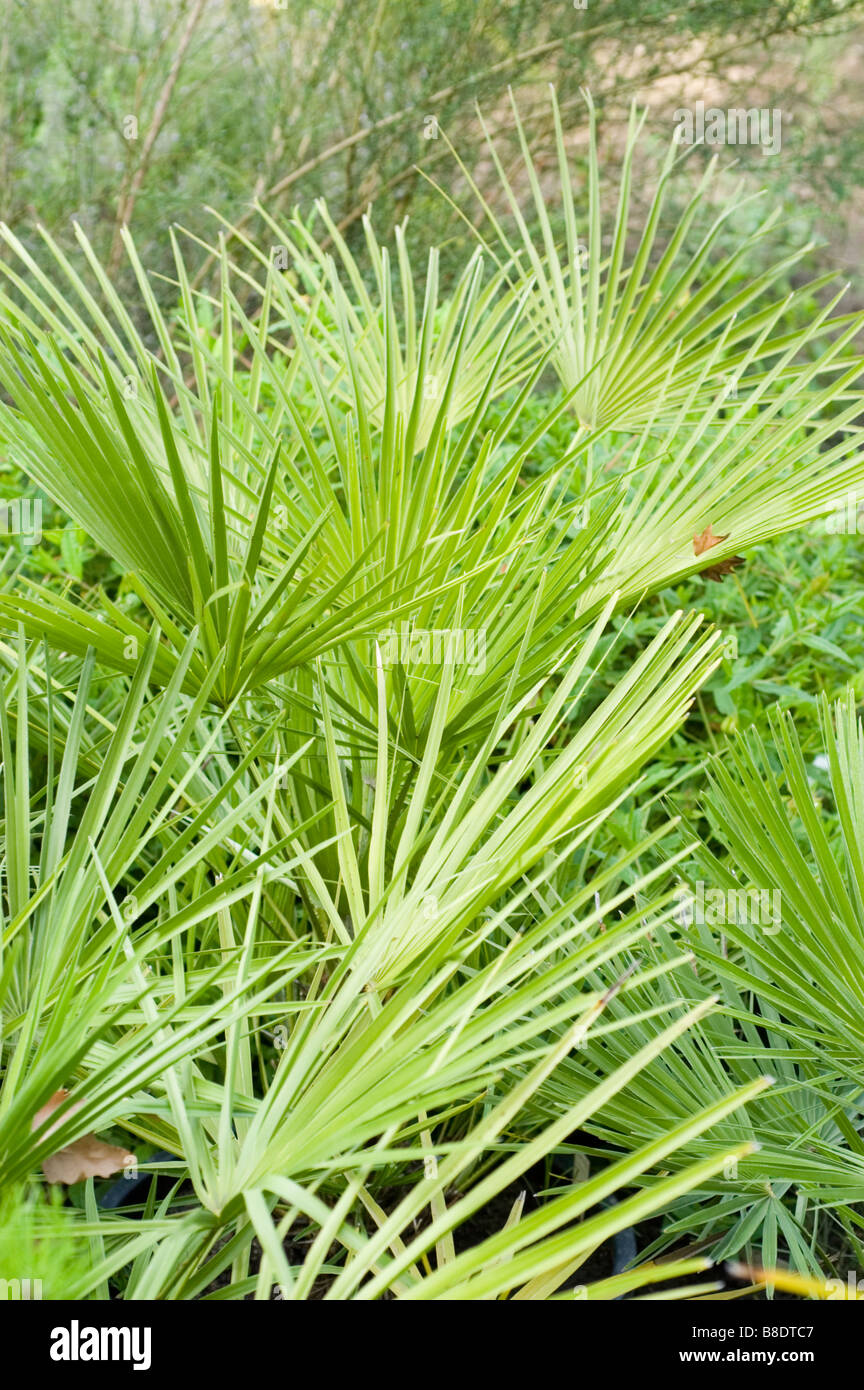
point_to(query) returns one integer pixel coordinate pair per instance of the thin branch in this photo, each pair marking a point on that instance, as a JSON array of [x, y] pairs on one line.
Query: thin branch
[[127, 200]]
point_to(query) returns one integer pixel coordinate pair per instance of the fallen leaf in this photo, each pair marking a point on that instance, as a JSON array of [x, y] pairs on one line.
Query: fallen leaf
[[722, 567], [48, 1109], [87, 1157], [706, 540]]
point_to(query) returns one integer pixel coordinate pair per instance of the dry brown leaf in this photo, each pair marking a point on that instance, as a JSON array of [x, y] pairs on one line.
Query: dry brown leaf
[[48, 1109], [722, 567], [87, 1157], [706, 540]]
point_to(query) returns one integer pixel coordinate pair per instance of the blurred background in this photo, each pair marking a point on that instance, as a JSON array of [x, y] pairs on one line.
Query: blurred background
[[152, 112]]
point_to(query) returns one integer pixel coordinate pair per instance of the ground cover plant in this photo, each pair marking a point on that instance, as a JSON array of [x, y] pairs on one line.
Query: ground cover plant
[[384, 908]]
